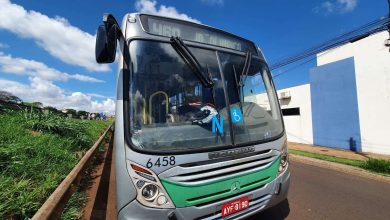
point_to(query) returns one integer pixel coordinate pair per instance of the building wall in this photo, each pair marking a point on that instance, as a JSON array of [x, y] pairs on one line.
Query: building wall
[[335, 106], [372, 69], [298, 127]]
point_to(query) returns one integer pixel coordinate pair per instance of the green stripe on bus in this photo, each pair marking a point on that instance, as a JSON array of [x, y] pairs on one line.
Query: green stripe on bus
[[184, 196]]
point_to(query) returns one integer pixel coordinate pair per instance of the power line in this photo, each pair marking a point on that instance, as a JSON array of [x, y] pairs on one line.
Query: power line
[[351, 36], [372, 23], [324, 47], [301, 64], [340, 39], [327, 50], [293, 68]]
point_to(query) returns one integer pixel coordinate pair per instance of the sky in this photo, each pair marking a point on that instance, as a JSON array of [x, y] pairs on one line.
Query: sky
[[47, 47]]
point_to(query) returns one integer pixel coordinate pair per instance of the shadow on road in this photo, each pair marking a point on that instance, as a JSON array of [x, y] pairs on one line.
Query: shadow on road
[[280, 211]]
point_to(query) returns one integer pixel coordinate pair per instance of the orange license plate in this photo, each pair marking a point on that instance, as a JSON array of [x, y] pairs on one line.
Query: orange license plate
[[235, 206]]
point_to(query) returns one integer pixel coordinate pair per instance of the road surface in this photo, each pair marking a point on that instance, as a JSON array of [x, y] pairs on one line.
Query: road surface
[[315, 193], [319, 193]]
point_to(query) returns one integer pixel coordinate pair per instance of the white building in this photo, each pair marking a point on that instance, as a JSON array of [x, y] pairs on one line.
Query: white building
[[296, 108], [347, 101]]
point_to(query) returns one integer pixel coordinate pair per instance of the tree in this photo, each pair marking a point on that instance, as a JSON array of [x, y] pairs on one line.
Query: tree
[[70, 111], [9, 97], [50, 108], [82, 113], [37, 104]]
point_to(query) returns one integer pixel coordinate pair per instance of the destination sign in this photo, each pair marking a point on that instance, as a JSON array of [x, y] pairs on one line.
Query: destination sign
[[193, 32]]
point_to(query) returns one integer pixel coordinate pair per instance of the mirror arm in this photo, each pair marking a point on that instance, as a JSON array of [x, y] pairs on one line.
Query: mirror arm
[[109, 20]]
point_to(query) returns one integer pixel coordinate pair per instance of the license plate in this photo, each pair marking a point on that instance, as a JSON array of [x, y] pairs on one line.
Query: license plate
[[235, 206]]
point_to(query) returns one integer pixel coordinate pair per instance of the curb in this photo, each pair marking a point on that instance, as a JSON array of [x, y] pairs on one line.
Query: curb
[[339, 167]]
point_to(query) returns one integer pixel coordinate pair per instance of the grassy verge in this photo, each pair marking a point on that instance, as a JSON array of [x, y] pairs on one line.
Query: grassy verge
[[373, 165], [36, 153], [75, 206]]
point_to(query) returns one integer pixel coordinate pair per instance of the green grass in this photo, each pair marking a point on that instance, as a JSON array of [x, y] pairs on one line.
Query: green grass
[[380, 166], [356, 163], [374, 165], [36, 153], [72, 210]]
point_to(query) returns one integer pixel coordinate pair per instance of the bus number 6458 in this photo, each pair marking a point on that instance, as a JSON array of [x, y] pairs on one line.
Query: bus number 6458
[[161, 161]]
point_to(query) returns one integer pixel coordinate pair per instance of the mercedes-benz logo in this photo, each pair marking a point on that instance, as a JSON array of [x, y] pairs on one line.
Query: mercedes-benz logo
[[235, 186]]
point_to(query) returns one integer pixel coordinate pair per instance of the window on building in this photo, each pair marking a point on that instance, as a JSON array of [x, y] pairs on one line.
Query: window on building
[[291, 111]]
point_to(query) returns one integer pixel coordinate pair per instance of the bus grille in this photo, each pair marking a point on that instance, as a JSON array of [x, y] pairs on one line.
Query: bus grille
[[204, 173]]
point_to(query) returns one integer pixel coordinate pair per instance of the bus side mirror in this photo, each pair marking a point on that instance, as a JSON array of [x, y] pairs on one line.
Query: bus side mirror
[[105, 48]]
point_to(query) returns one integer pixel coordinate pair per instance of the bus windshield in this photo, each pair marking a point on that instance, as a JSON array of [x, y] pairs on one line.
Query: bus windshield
[[170, 109]]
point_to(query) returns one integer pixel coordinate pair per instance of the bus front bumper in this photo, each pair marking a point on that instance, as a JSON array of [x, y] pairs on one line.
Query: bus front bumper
[[262, 198]]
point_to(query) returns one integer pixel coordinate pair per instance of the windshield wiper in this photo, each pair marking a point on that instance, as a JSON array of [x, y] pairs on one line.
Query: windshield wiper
[[245, 70], [212, 88], [240, 85], [237, 86], [191, 61]]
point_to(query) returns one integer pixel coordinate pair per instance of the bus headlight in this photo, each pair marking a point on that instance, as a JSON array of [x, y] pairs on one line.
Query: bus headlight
[[283, 159], [150, 191]]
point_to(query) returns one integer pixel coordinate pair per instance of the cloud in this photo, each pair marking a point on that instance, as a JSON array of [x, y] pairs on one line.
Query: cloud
[[213, 2], [336, 7], [2, 45], [150, 7], [347, 5], [85, 78], [55, 35], [20, 66], [100, 96], [50, 94]]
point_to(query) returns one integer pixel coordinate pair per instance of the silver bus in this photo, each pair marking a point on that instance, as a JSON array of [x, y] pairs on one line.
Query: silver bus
[[198, 128]]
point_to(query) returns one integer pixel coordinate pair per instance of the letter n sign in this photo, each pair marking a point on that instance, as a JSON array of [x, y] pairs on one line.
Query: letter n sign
[[217, 124]]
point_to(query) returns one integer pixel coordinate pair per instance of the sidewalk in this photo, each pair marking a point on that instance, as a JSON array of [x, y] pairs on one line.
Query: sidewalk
[[335, 152]]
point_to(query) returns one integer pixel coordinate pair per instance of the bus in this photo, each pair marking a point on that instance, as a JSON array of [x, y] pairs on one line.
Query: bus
[[198, 126]]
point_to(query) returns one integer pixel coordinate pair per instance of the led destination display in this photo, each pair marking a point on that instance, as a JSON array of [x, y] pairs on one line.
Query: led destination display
[[193, 32]]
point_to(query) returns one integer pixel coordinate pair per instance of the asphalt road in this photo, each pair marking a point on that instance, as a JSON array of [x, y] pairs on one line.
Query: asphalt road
[[319, 193]]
